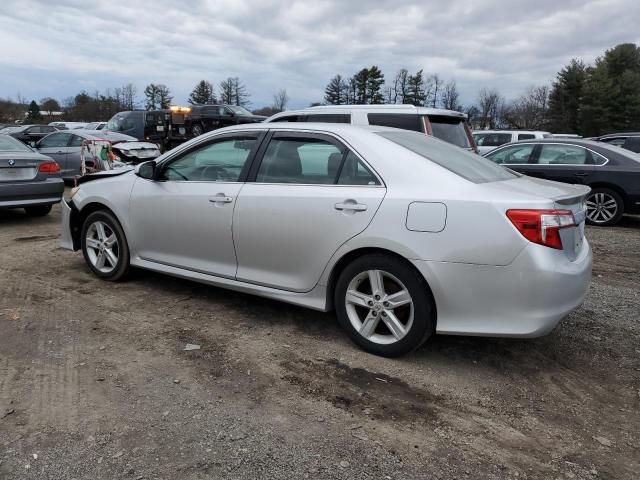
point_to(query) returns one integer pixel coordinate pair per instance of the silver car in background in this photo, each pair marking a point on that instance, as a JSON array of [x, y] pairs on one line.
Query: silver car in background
[[400, 233]]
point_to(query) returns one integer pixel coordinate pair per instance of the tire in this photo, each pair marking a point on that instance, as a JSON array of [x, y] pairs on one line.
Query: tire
[[104, 246], [605, 207], [361, 311], [38, 211], [197, 130]]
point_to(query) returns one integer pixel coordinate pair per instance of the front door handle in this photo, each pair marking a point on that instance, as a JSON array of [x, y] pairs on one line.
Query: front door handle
[[581, 174], [351, 205], [221, 198]]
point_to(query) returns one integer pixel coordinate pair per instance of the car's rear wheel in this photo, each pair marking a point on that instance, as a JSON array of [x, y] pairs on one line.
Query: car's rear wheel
[[604, 207], [104, 246], [38, 211], [385, 306]]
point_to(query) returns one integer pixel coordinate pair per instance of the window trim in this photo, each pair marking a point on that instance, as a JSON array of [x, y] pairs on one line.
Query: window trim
[[259, 136], [327, 136], [549, 164]]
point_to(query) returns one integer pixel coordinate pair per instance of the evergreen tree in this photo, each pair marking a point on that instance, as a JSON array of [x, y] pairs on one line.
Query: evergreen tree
[[164, 96], [336, 91], [33, 113], [203, 93], [375, 80], [564, 99], [151, 95], [415, 94]]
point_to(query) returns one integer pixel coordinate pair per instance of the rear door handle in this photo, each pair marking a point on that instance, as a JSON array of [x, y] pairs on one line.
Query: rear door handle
[[581, 174], [356, 207], [221, 198]]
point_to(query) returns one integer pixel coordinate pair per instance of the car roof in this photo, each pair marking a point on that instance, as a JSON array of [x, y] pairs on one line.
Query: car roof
[[372, 108]]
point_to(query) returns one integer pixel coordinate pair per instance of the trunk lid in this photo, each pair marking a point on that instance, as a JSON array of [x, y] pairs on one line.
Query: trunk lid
[[20, 166]]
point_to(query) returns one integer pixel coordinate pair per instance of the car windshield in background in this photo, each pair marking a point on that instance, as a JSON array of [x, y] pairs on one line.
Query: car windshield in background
[[239, 110], [449, 129], [10, 144], [464, 164]]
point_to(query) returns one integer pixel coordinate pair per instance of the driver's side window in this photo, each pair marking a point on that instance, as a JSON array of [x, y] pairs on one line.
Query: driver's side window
[[221, 161]]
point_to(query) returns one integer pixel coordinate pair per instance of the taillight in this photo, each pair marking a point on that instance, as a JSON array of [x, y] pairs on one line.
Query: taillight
[[49, 167], [542, 226]]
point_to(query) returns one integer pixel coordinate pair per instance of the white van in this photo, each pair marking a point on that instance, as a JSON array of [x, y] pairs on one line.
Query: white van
[[487, 140], [446, 125]]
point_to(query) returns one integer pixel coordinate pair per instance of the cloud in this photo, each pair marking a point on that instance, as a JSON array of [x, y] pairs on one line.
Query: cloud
[[57, 49]]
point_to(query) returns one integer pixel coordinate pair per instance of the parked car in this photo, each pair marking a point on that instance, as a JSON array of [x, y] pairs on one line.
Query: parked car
[[30, 133], [95, 126], [446, 125], [487, 140], [28, 179], [403, 234], [204, 118], [69, 125], [612, 173], [65, 148], [629, 140]]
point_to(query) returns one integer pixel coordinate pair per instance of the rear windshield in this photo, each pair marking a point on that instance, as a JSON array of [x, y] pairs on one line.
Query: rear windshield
[[449, 129], [10, 144], [465, 164], [405, 121]]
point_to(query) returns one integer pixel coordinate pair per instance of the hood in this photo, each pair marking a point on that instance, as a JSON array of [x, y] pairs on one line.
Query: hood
[[104, 174], [254, 118], [133, 146]]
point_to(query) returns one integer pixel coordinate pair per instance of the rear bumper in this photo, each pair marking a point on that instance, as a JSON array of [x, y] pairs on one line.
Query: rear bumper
[[26, 194], [524, 299]]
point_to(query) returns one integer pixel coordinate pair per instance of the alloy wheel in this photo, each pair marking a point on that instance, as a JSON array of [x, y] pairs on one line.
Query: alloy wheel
[[102, 246], [379, 307], [601, 207]]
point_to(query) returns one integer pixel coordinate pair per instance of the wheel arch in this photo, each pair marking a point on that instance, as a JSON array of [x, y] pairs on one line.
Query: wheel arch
[[78, 218], [352, 255]]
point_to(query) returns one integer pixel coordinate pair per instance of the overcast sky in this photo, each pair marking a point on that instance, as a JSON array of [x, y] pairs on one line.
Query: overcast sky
[[58, 48]]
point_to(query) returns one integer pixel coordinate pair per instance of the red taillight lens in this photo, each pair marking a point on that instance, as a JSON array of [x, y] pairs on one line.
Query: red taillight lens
[[49, 167], [542, 226]]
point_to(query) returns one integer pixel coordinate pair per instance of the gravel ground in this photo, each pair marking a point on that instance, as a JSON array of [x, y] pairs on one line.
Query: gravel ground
[[95, 382]]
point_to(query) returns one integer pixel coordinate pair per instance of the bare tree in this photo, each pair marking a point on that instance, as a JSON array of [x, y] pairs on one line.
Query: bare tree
[[450, 97], [529, 111], [280, 100], [129, 92], [435, 83], [396, 92], [233, 92], [490, 104]]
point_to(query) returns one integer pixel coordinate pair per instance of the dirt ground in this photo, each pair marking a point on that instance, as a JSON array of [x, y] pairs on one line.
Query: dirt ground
[[95, 382]]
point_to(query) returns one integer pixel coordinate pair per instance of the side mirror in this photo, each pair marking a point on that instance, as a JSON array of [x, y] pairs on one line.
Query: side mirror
[[147, 170]]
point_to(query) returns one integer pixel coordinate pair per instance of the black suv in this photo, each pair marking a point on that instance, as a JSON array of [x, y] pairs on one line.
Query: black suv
[[204, 118]]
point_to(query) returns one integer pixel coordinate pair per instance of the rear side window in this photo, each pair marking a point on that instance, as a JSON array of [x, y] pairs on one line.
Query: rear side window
[[563, 155], [405, 121], [449, 129], [526, 136], [300, 160], [329, 118], [491, 139], [354, 172], [76, 141], [465, 164]]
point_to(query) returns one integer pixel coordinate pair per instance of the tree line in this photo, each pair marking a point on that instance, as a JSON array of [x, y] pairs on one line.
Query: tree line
[[583, 99]]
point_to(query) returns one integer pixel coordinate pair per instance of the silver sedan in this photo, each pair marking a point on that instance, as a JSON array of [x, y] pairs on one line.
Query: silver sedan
[[401, 234]]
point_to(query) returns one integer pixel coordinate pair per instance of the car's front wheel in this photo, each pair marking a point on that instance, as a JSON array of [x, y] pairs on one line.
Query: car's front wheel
[[197, 130], [604, 207], [38, 211], [104, 246], [385, 306]]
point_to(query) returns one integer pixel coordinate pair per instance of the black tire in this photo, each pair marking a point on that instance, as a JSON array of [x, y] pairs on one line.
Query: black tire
[[197, 130], [424, 311], [38, 211], [120, 270], [604, 196]]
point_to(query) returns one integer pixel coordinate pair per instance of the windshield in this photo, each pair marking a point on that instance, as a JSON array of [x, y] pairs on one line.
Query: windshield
[[465, 164], [10, 144], [239, 110], [449, 129], [121, 122]]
